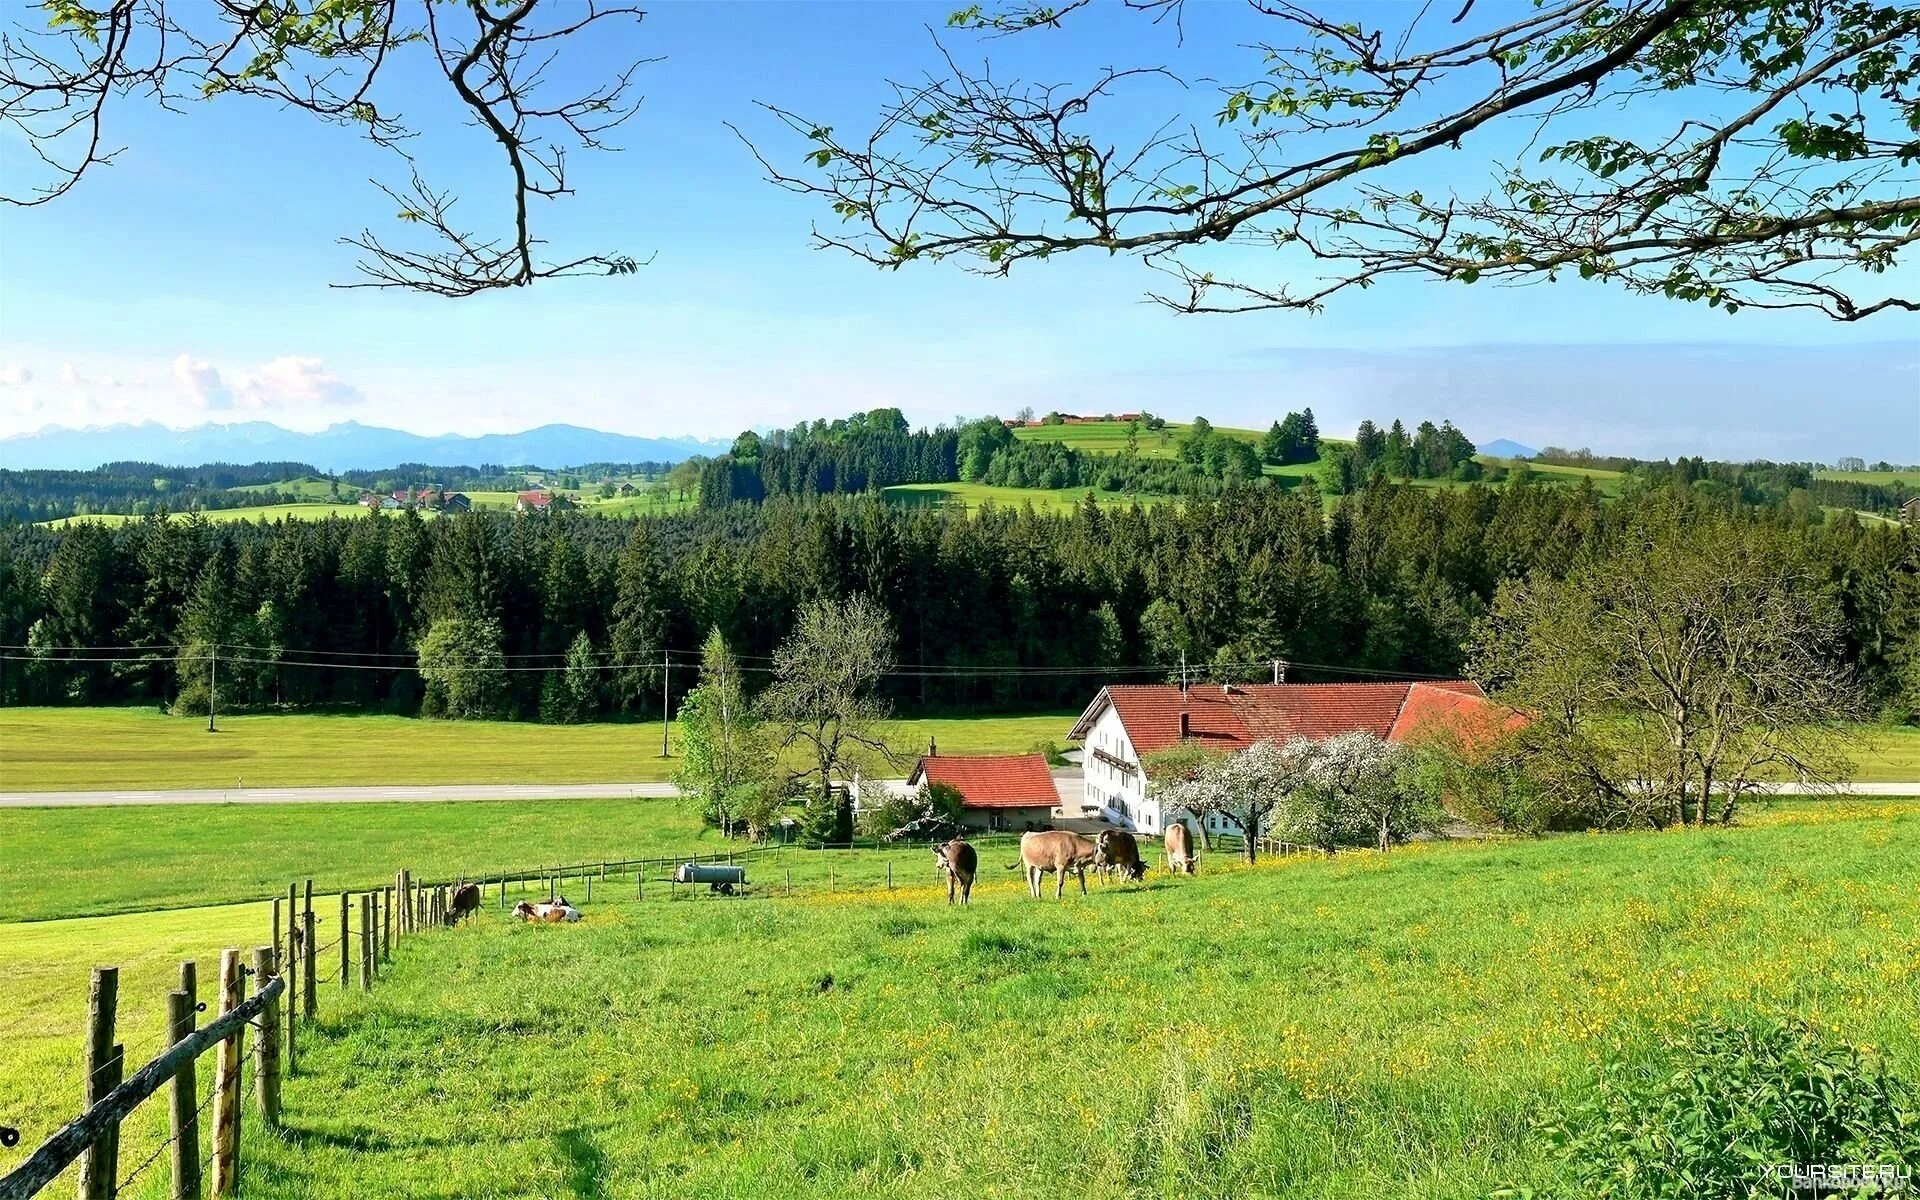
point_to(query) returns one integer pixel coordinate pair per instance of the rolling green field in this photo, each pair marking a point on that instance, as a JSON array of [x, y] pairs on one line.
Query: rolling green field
[[316, 511], [1907, 475], [91, 749], [307, 487], [973, 495], [1362, 1026], [98, 861]]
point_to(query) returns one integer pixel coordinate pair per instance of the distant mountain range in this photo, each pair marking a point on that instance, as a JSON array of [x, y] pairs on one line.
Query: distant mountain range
[[342, 447], [1507, 448]]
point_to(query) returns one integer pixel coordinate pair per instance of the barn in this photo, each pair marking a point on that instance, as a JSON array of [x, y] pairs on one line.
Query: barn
[[998, 791]]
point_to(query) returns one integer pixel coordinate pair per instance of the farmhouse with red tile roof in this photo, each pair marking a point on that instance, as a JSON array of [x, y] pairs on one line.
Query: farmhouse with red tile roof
[[1127, 721], [998, 791]]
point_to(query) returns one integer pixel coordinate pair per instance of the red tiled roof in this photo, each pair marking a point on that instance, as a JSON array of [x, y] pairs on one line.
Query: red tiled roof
[[1232, 718], [1469, 711], [991, 780], [536, 499]]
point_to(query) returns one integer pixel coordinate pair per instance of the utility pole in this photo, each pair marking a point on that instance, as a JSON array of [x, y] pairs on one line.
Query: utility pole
[[666, 686], [1279, 671], [213, 683], [1183, 672]]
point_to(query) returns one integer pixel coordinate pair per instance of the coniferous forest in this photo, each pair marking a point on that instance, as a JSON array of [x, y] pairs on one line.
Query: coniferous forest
[[998, 609]]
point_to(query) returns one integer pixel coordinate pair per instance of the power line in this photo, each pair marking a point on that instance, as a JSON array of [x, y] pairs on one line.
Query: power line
[[612, 662]]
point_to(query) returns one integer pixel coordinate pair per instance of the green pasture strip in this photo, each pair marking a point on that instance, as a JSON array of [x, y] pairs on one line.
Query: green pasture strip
[[92, 749]]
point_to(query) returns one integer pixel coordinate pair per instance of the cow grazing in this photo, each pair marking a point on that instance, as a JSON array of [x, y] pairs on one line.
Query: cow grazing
[[1116, 850], [550, 912], [465, 902], [958, 862], [1182, 858], [1058, 851]]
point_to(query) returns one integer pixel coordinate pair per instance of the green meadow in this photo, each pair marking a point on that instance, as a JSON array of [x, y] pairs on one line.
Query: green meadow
[[1362, 1026], [92, 749]]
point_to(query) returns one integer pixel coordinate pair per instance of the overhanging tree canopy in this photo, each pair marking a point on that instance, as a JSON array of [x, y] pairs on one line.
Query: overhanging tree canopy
[[1744, 153], [66, 66]]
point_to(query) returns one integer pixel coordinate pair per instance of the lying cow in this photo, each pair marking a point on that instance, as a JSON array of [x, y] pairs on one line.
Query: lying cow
[[1182, 858], [958, 862], [1116, 850], [549, 912], [1058, 851], [465, 902]]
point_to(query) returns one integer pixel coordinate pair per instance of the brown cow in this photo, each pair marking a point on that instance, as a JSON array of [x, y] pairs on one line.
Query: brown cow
[[1182, 858], [1054, 850], [958, 861], [466, 900], [1116, 850]]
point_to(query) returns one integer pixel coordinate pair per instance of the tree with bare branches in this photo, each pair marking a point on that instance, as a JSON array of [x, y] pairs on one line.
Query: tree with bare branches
[[822, 703], [66, 66], [1741, 153]]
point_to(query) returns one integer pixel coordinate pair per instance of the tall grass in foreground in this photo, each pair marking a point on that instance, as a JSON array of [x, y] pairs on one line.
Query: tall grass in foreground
[[1364, 1026]]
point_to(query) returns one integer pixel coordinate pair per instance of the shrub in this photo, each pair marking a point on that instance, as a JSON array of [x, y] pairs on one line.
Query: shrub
[[1719, 1107]]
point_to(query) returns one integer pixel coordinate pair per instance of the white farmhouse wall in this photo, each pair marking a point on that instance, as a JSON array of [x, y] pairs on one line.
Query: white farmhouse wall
[[1114, 791]]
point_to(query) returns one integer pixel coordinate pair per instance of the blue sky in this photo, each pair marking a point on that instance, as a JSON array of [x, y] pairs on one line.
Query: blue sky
[[187, 282]]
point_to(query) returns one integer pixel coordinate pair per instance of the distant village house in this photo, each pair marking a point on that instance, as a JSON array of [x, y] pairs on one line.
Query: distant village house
[[997, 791]]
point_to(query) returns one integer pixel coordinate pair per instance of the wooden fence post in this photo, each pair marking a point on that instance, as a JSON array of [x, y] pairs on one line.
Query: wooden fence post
[[373, 934], [226, 1085], [275, 940], [183, 1122], [346, 942], [266, 1047], [589, 899], [290, 967], [366, 949], [103, 1002], [386, 929], [309, 980]]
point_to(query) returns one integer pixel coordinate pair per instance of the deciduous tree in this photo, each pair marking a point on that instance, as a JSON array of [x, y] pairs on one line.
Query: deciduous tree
[[1674, 676], [822, 700]]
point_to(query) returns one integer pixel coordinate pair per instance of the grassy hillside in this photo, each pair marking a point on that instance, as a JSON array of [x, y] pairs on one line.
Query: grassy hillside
[[973, 495], [307, 487], [315, 511], [82, 749], [97, 861], [1366, 1026]]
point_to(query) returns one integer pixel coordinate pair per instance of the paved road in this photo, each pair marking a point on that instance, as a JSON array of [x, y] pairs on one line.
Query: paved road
[[651, 790], [344, 795]]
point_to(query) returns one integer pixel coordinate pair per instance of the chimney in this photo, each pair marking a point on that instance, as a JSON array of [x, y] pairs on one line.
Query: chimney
[[1186, 725], [932, 750]]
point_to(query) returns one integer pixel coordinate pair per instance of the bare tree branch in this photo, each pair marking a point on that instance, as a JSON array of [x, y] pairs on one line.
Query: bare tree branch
[[1788, 182], [328, 58]]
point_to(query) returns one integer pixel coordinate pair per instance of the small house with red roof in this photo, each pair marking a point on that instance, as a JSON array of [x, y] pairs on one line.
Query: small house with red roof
[[997, 791], [1126, 722]]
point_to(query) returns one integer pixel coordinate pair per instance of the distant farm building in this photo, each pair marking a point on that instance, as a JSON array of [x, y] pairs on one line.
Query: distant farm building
[[998, 791], [541, 501], [455, 502], [1910, 511], [1126, 722]]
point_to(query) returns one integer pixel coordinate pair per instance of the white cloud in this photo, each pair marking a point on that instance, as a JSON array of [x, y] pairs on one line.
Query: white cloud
[[15, 375], [201, 381], [73, 376], [292, 383]]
